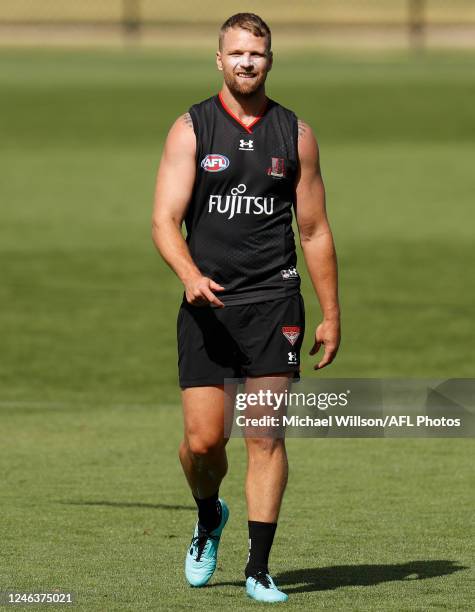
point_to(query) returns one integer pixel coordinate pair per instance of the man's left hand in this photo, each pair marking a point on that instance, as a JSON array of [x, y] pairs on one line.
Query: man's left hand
[[328, 334]]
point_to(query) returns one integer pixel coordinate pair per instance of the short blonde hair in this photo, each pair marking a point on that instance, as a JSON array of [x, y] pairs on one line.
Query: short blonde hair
[[247, 21]]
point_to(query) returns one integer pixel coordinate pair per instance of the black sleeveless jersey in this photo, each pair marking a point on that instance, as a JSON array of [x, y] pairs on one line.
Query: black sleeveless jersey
[[239, 220]]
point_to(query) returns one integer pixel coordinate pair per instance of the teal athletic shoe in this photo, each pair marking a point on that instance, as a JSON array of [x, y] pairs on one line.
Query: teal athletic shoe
[[261, 587], [203, 551]]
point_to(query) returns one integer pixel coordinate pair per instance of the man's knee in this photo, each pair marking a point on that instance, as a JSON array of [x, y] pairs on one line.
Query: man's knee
[[203, 446], [267, 445]]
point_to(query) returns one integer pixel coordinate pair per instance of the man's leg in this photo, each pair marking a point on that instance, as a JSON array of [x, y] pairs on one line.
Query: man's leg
[[202, 451], [203, 458], [267, 474], [267, 469]]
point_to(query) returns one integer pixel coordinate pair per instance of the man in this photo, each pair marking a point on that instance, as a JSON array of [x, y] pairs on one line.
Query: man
[[233, 168]]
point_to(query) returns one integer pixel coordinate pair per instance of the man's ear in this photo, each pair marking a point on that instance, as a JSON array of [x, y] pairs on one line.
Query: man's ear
[[271, 60], [219, 62]]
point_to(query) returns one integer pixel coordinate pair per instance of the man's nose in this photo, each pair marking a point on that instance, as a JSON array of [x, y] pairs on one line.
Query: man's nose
[[246, 60]]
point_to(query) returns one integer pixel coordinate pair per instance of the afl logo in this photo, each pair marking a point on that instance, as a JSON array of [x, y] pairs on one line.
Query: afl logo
[[214, 163]]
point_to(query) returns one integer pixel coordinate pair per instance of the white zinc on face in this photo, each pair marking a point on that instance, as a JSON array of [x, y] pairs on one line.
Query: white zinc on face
[[246, 62]]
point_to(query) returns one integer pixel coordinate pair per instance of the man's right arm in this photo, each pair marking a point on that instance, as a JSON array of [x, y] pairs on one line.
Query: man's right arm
[[175, 179]]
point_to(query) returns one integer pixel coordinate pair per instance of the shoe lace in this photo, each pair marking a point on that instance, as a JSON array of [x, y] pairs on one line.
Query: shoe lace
[[200, 540], [262, 578]]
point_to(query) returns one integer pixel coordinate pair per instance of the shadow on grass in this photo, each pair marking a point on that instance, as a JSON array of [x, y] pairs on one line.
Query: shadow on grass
[[334, 577], [128, 505]]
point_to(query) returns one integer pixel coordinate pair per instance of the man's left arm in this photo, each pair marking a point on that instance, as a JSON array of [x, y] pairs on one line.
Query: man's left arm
[[317, 244]]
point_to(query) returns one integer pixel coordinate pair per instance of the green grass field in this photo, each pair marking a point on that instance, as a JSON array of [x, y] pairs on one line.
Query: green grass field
[[93, 499]]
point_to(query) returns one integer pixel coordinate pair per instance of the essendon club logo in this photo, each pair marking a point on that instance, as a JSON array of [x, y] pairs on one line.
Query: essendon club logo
[[277, 168], [291, 332], [214, 162]]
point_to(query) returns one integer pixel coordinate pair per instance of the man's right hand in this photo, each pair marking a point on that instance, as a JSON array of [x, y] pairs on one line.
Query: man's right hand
[[199, 292]]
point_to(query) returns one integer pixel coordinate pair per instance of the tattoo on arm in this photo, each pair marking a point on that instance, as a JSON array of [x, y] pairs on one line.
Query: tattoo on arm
[[302, 127], [187, 119]]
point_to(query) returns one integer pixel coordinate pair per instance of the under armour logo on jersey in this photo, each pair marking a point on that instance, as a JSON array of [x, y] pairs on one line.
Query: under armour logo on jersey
[[292, 358], [246, 145], [290, 273]]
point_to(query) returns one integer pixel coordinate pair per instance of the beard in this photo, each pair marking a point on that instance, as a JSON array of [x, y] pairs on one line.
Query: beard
[[244, 87]]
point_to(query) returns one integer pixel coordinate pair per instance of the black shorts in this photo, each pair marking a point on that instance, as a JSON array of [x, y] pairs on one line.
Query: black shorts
[[239, 341]]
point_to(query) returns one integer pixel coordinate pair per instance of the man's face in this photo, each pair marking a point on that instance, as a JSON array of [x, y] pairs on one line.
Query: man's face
[[244, 61]]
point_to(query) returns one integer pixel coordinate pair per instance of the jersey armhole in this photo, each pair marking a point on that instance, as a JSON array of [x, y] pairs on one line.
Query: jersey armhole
[[194, 120], [296, 136], [295, 130]]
